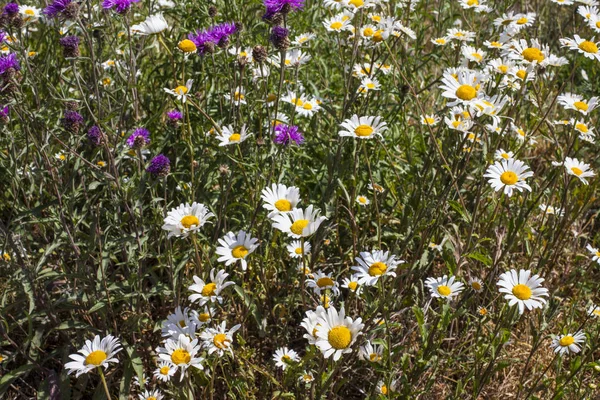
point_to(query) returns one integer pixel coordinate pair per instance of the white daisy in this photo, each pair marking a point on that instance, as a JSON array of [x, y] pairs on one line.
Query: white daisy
[[30, 13], [94, 354], [280, 198], [283, 357], [152, 25], [238, 96], [186, 219], [151, 395], [209, 291], [310, 323], [522, 289], [595, 253], [372, 353], [430, 119], [295, 249], [362, 127], [569, 343], [374, 265], [306, 377], [229, 136], [301, 39], [352, 284], [508, 174], [321, 282], [165, 371], [463, 88], [551, 210], [578, 169], [181, 92], [571, 101], [181, 353], [594, 311], [299, 223], [476, 284], [236, 247], [362, 200], [444, 287], [500, 155], [219, 339], [588, 48], [336, 333], [181, 323]]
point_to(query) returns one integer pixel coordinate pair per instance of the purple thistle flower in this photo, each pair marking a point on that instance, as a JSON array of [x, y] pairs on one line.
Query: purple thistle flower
[[139, 138], [72, 121], [175, 115], [4, 114], [274, 6], [285, 134], [9, 62], [159, 166], [279, 37], [58, 7], [95, 135], [120, 6], [11, 8], [70, 45], [3, 36], [217, 35]]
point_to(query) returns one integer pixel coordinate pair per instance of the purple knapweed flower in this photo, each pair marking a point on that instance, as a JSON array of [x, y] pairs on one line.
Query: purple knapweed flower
[[139, 138], [11, 9], [175, 115], [70, 45], [4, 114], [284, 6], [9, 63], [68, 8], [285, 134], [72, 121], [217, 35], [120, 6], [95, 135], [159, 166]]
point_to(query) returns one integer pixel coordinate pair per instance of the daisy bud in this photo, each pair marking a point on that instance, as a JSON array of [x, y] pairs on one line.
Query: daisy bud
[[212, 11], [70, 45], [259, 53], [160, 166]]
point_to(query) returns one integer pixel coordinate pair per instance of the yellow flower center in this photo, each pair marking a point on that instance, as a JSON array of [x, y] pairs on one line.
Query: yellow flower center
[[363, 130], [477, 56], [440, 41], [598, 24], [566, 341], [576, 171], [429, 120], [189, 220], [509, 178], [476, 285], [466, 92], [203, 317], [588, 47], [496, 44], [505, 156], [581, 127], [285, 358], [307, 378], [151, 398], [384, 389], [521, 74], [596, 312], [239, 252], [283, 205], [220, 341], [298, 226], [298, 250], [362, 200], [472, 3], [521, 292], [339, 337], [95, 357], [6, 257], [532, 54], [307, 106], [352, 286], [503, 69], [181, 90], [165, 370], [238, 96], [182, 323], [522, 21], [377, 269], [368, 32], [483, 311], [187, 46], [235, 137], [297, 102], [444, 290], [598, 254], [324, 282], [581, 105], [271, 97], [180, 356], [356, 3], [209, 289], [62, 157]]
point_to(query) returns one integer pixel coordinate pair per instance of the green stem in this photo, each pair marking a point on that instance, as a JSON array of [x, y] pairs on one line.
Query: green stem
[[104, 383]]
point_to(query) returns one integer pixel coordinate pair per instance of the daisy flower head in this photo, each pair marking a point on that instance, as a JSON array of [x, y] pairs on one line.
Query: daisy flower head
[[522, 289], [529, 53], [219, 340], [307, 377], [299, 222], [508, 175], [236, 247], [595, 253], [209, 291], [352, 284], [438, 247], [382, 387], [440, 41], [322, 281], [589, 48], [444, 287], [238, 96], [296, 250], [374, 265], [551, 210], [336, 333], [164, 371], [593, 311], [280, 199], [310, 323], [186, 219], [367, 84], [151, 395], [501, 154], [594, 22], [473, 54], [30, 13], [462, 88], [181, 91], [476, 284], [180, 323], [303, 38], [181, 353], [362, 127], [430, 119], [362, 200], [229, 136], [578, 169], [371, 353], [94, 354], [576, 102], [569, 343], [483, 311], [152, 25], [338, 23], [283, 357], [588, 10], [460, 35]]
